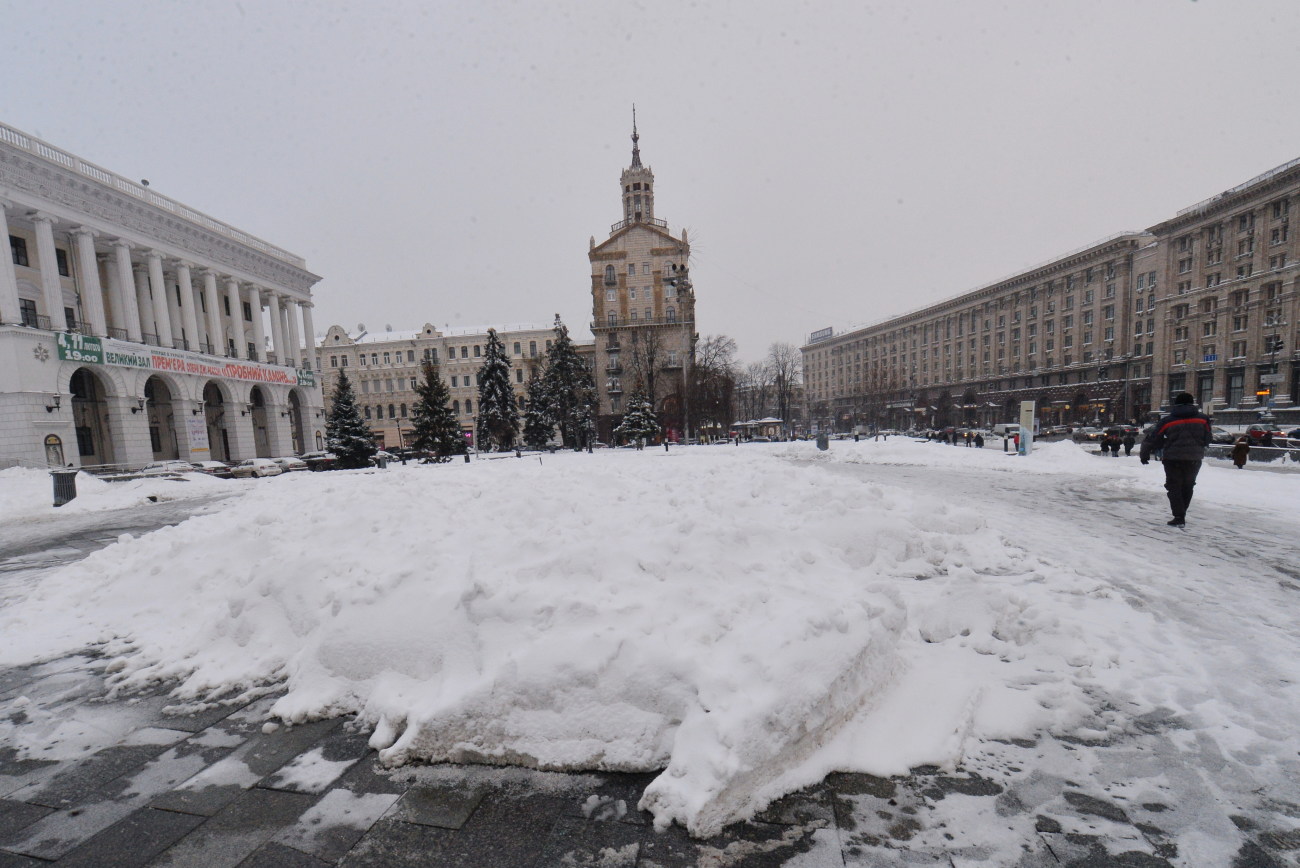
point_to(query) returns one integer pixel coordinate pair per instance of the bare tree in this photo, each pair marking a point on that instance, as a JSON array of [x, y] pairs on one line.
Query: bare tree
[[753, 390], [713, 381], [785, 364], [647, 357]]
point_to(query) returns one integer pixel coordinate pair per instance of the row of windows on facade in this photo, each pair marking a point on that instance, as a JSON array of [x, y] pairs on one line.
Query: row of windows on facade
[[1277, 210], [611, 274], [1234, 386], [458, 381], [1062, 378], [431, 354], [399, 411], [18, 248], [670, 315], [645, 292], [1269, 293]]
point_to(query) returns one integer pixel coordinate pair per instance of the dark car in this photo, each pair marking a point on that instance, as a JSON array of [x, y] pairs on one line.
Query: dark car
[[320, 460]]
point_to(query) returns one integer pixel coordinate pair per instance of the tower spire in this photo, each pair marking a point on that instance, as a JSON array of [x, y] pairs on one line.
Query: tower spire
[[636, 148]]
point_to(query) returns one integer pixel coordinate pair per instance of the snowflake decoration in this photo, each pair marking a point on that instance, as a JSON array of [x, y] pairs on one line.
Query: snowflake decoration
[[41, 354]]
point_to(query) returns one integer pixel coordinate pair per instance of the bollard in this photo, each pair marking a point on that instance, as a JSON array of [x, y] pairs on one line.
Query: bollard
[[65, 486], [467, 458], [823, 442]]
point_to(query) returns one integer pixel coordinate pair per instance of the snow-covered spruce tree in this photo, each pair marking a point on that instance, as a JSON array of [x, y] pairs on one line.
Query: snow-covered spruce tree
[[538, 425], [498, 417], [347, 435], [570, 391], [639, 421], [436, 429]]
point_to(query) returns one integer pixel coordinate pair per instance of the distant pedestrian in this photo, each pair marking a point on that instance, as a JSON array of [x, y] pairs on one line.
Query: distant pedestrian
[[1129, 442], [1241, 452], [1267, 439], [1182, 436], [979, 441]]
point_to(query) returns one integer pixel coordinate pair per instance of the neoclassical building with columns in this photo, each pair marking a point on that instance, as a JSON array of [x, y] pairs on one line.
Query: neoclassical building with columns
[[134, 328]]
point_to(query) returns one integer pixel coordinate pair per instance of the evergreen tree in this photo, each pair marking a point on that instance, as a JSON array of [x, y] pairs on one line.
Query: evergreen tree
[[639, 421], [538, 425], [498, 417], [347, 435], [570, 390], [436, 429]]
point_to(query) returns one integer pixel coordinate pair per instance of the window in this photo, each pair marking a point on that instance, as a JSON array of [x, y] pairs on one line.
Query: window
[[410, 356], [519, 375], [631, 292], [1067, 321], [1181, 333], [455, 405], [1185, 265], [464, 352], [1280, 208], [611, 295], [517, 350], [1087, 297], [61, 260], [391, 414], [1110, 333], [532, 345], [631, 269], [343, 361], [334, 361], [365, 387], [611, 317], [1180, 357], [1213, 279], [248, 312], [670, 291], [27, 307], [610, 278], [18, 249], [403, 408], [469, 406], [388, 359], [1238, 349], [1240, 323], [671, 314], [367, 411], [454, 381], [363, 358]]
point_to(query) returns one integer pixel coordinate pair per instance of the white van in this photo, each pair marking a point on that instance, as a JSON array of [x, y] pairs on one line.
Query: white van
[[1006, 429]]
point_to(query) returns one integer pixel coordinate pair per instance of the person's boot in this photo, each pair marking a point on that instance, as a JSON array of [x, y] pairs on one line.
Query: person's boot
[[1176, 521]]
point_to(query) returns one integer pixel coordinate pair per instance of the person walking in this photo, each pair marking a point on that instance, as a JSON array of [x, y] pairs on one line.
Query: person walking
[[1240, 452], [1182, 436], [979, 440]]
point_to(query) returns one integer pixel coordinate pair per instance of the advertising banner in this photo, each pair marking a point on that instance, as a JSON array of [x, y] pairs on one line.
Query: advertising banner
[[197, 428], [105, 351]]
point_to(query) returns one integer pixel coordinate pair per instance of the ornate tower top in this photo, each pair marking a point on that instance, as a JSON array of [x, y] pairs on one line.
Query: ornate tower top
[[637, 182]]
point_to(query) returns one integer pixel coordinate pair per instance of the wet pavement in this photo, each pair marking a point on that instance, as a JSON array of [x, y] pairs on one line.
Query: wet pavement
[[89, 778]]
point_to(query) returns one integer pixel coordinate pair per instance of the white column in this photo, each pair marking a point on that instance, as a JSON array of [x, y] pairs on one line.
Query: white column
[[259, 330], [162, 309], [210, 298], [92, 294], [277, 325], [236, 318], [10, 312], [144, 302], [295, 345], [189, 319], [309, 335], [126, 294], [115, 313], [51, 287]]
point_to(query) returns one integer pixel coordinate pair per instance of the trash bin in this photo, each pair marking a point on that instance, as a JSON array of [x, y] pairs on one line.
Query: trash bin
[[381, 462], [823, 442], [65, 486]]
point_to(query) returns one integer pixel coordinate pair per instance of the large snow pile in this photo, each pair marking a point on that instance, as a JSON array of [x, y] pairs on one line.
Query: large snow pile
[[27, 494], [742, 622]]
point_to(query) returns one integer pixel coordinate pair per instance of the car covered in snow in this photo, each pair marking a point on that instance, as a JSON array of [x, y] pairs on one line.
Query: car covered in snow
[[289, 463], [168, 468], [320, 460], [251, 467], [219, 469]]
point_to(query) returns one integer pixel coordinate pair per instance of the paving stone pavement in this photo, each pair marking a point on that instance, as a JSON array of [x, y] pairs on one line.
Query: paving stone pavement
[[221, 788]]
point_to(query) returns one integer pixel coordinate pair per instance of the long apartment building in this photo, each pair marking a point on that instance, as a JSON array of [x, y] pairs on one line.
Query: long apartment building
[[134, 328], [384, 368], [1204, 302]]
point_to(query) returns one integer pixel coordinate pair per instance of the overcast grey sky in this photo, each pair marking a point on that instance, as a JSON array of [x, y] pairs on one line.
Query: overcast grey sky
[[834, 163]]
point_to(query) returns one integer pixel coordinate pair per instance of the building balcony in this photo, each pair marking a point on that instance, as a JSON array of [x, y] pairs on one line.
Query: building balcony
[[635, 323], [614, 369], [614, 388], [623, 224]]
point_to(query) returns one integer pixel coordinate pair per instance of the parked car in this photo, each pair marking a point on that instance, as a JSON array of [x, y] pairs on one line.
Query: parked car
[[1087, 434], [320, 460], [250, 467], [289, 463], [219, 469], [165, 468], [1222, 435]]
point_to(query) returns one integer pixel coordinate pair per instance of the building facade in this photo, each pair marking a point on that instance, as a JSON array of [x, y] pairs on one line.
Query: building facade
[[1205, 302], [1229, 309], [134, 328], [643, 309], [384, 368]]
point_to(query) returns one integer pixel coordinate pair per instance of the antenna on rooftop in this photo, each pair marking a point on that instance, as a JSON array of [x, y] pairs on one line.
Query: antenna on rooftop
[[361, 326]]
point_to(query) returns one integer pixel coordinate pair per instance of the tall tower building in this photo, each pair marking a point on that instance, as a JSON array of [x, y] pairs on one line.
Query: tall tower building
[[643, 308]]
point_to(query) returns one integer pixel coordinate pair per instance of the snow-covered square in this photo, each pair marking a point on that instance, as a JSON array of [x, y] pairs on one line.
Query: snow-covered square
[[741, 620]]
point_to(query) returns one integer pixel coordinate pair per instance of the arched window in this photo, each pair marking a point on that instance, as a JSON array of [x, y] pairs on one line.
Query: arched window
[[672, 314], [367, 412], [469, 406], [391, 414], [379, 411], [455, 407], [610, 277], [403, 411]]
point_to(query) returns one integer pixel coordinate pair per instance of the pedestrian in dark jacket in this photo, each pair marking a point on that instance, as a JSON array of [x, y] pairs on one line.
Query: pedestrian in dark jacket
[[1240, 452], [1183, 436], [1129, 442], [979, 441]]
